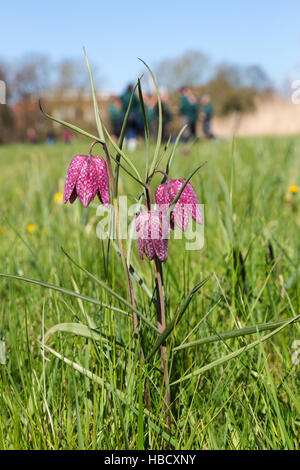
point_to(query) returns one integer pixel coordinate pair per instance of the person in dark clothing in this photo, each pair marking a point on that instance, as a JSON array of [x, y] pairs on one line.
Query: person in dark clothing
[[132, 128], [188, 110], [153, 115], [207, 111], [115, 112]]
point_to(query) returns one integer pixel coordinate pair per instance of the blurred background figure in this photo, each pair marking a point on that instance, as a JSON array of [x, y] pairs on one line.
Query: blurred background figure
[[153, 114], [207, 111], [115, 112], [188, 111], [31, 134], [67, 137], [50, 138], [131, 132]]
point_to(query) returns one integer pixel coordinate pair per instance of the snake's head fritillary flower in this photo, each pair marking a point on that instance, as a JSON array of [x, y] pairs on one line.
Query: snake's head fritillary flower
[[153, 233], [87, 177], [187, 205]]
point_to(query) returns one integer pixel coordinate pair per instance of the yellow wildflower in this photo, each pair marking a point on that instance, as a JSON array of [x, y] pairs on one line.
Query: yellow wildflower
[[31, 228], [293, 189], [3, 230], [58, 198]]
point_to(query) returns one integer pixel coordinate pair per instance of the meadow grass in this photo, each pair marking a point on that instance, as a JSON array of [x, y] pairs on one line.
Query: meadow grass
[[252, 250]]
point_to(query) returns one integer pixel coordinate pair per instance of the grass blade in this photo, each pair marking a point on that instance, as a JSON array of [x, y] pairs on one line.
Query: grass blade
[[170, 327], [96, 108], [79, 329], [111, 292], [112, 390], [159, 131], [65, 291], [249, 330], [70, 126], [236, 353], [172, 206]]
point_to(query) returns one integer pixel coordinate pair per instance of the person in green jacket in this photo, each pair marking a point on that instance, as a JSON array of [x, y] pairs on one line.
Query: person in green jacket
[[131, 132], [153, 115], [115, 113], [207, 111], [188, 110]]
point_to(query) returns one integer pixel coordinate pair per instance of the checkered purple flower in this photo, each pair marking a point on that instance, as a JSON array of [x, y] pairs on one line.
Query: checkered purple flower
[[87, 177], [152, 235], [186, 207]]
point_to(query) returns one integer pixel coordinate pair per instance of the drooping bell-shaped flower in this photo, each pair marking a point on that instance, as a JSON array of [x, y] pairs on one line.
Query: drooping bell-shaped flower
[[153, 233], [87, 177], [186, 207]]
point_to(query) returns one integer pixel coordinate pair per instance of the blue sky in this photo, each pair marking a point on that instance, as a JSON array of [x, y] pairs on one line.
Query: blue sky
[[115, 33]]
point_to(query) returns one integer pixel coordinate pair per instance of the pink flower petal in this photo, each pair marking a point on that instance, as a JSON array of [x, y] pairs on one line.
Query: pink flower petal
[[102, 179], [72, 175], [73, 196], [161, 249], [87, 185], [152, 235]]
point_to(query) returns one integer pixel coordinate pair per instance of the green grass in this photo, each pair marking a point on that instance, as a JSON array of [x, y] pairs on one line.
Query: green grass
[[249, 402]]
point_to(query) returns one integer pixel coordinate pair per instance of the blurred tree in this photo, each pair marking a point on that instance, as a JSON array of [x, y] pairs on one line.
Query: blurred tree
[[256, 77], [32, 75], [228, 90], [72, 74], [188, 69], [229, 73]]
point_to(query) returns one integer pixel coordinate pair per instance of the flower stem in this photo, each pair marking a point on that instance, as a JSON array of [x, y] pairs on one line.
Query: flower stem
[[163, 173], [161, 321], [125, 267]]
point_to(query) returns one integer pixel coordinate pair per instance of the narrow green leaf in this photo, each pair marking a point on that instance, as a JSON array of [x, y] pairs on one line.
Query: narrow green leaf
[[70, 126], [234, 354], [111, 292], [121, 141], [170, 327], [249, 330], [159, 131], [127, 171], [127, 160], [122, 397], [146, 123], [96, 108], [79, 329], [173, 152], [172, 206], [146, 127], [65, 291], [140, 438], [134, 274], [79, 427]]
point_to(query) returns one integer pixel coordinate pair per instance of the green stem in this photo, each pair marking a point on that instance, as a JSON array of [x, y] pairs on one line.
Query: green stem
[[125, 267]]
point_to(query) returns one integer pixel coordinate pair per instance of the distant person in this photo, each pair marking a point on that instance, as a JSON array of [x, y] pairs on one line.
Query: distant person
[[207, 111], [67, 137], [32, 138], [50, 138], [131, 132], [115, 112], [188, 110], [153, 113]]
